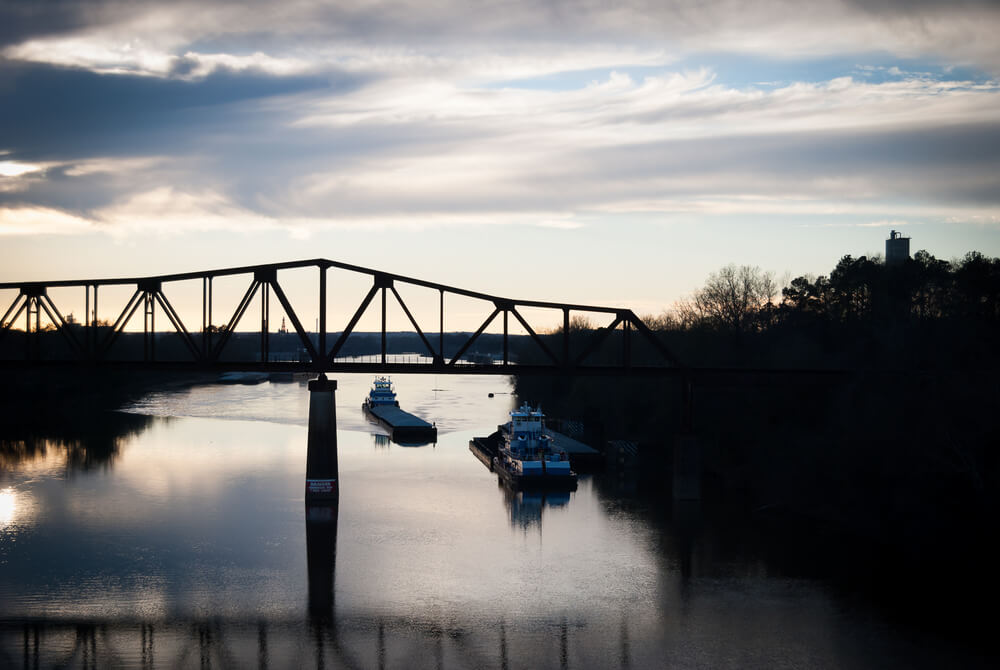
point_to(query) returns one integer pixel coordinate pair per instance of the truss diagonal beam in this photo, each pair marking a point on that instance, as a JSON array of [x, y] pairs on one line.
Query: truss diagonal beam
[[598, 338], [534, 336], [5, 326], [353, 322], [178, 325], [237, 315], [287, 306], [4, 323], [60, 322], [468, 343], [406, 311], [654, 340], [122, 321]]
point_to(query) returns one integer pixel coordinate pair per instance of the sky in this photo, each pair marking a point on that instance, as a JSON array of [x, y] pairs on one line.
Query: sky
[[610, 153]]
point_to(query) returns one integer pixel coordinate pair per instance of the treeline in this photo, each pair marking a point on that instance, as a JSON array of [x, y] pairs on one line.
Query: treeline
[[895, 457], [924, 313]]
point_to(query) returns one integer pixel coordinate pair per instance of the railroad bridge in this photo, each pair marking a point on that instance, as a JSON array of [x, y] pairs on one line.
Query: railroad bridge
[[95, 343], [207, 345]]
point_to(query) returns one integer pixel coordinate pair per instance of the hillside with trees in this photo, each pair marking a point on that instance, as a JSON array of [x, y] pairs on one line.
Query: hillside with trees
[[892, 459]]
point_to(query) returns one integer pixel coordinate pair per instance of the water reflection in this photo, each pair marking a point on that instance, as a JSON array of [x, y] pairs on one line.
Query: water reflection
[[526, 507], [383, 441], [196, 549], [315, 642], [321, 556], [85, 443]]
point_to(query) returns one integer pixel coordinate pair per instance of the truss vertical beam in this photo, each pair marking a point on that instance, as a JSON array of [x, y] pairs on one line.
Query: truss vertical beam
[[441, 328], [148, 326], [86, 320], [322, 311], [265, 317], [566, 336], [32, 343], [506, 314], [383, 326], [626, 343], [208, 339], [204, 314]]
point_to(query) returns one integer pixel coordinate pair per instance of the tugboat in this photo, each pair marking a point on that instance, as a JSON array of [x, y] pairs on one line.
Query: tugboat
[[528, 456], [381, 394]]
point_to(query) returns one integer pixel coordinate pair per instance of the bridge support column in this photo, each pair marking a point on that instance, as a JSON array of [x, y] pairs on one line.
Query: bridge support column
[[321, 456]]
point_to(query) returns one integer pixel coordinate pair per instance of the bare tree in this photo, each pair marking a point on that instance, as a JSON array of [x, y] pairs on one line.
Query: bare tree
[[736, 298]]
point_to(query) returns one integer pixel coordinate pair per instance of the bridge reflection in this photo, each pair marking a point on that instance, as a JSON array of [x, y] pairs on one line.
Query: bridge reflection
[[316, 642], [321, 638]]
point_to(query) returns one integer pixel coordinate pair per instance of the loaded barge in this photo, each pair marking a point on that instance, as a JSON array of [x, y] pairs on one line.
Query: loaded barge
[[382, 407]]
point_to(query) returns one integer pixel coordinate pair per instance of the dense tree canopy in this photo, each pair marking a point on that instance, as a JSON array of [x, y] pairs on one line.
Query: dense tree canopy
[[859, 293]]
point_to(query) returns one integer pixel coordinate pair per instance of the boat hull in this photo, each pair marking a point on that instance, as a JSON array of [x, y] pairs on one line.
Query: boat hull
[[545, 482]]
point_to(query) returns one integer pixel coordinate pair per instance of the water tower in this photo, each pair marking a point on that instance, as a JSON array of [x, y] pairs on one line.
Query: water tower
[[897, 248]]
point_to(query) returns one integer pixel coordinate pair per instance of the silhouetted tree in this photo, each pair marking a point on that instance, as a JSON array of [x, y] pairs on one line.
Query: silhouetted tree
[[736, 298]]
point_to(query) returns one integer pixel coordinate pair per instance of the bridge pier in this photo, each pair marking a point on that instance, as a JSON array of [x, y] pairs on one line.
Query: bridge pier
[[321, 455]]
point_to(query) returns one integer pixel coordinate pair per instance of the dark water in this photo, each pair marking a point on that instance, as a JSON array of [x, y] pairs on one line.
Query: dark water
[[185, 542]]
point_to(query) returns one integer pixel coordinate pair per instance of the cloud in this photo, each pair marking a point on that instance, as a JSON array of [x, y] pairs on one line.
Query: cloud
[[432, 152], [70, 113], [113, 35], [16, 169], [41, 221], [316, 114]]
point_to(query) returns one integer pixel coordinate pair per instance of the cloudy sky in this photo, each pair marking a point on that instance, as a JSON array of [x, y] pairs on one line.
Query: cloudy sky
[[599, 152]]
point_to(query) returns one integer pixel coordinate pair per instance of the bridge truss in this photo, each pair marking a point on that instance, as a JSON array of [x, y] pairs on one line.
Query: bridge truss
[[322, 351]]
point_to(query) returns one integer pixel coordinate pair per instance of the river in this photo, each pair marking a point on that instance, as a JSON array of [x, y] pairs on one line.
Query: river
[[176, 536]]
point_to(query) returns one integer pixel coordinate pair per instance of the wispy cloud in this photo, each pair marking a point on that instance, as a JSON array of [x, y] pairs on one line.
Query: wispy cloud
[[187, 116]]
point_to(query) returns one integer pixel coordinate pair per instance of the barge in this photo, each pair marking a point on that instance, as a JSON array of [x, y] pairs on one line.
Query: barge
[[524, 455], [382, 407]]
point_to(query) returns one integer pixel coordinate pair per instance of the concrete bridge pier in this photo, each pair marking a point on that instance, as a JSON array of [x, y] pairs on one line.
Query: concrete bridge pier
[[321, 456]]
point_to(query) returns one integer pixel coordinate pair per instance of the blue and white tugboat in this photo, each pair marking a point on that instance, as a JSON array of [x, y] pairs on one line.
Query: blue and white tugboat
[[383, 408], [381, 394], [528, 456]]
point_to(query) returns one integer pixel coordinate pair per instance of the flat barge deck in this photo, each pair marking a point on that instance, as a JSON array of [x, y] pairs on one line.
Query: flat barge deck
[[402, 426]]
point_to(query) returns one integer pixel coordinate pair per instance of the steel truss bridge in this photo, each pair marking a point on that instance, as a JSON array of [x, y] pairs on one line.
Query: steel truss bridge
[[323, 351]]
